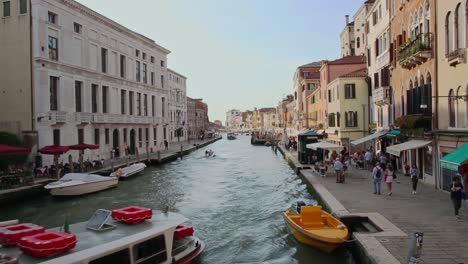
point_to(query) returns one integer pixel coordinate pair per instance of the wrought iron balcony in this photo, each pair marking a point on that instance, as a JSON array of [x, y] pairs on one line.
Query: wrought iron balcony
[[416, 51]]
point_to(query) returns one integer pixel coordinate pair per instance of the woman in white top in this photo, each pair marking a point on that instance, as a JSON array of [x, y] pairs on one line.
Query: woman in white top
[[389, 175]]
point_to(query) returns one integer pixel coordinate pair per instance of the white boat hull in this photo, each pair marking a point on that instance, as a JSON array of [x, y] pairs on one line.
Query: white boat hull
[[83, 188]]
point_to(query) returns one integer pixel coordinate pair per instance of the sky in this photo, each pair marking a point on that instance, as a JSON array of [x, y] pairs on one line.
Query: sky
[[236, 54]]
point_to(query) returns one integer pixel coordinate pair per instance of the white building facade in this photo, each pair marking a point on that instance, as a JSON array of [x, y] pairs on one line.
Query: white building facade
[[177, 106], [378, 63], [96, 82], [232, 119]]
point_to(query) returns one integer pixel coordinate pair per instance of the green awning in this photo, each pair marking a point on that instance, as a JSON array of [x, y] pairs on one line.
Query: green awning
[[454, 159], [394, 133]]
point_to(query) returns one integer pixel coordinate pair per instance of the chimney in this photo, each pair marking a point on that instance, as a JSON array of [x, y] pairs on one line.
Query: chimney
[[347, 19]]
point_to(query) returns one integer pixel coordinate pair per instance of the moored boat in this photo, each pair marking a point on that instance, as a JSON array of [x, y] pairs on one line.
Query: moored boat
[[231, 136], [314, 227], [73, 184], [131, 170], [162, 239]]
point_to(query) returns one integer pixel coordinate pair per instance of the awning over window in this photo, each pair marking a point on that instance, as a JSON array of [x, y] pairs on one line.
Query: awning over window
[[412, 144], [368, 138], [456, 158], [394, 133]]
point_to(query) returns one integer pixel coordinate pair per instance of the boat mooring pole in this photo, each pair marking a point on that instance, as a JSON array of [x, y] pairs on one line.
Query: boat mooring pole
[[415, 248], [181, 150]]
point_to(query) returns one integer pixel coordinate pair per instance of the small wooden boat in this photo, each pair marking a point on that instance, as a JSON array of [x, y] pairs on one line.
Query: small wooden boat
[[231, 136], [316, 228]]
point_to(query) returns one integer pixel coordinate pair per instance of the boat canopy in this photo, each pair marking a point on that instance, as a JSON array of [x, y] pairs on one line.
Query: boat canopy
[[456, 158], [368, 138], [412, 144], [83, 177]]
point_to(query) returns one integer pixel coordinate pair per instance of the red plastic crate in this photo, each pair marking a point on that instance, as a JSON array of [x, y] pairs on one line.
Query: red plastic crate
[[10, 235], [183, 231], [132, 214], [47, 243]]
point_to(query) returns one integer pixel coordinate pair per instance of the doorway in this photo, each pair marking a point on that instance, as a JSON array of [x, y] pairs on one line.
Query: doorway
[[132, 141], [115, 143]]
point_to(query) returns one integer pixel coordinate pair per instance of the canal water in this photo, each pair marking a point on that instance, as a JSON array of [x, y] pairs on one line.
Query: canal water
[[233, 200]]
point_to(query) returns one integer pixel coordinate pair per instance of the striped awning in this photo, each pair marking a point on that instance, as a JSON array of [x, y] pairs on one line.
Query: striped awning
[[368, 138], [412, 144]]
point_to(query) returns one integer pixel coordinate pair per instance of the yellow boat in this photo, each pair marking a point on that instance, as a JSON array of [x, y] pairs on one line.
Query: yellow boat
[[316, 228]]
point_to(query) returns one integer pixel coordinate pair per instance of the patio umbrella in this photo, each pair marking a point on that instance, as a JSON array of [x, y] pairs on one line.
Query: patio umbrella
[[9, 150], [81, 148], [56, 151]]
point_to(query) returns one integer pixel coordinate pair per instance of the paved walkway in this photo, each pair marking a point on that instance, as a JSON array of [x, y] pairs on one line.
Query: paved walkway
[[429, 211]]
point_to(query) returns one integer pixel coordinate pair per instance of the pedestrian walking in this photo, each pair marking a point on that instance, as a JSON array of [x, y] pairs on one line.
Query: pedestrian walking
[[166, 144], [338, 166], [456, 194], [368, 158], [414, 173], [389, 176], [377, 178]]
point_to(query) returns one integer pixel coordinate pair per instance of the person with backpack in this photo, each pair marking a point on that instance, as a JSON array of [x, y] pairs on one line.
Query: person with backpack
[[377, 178]]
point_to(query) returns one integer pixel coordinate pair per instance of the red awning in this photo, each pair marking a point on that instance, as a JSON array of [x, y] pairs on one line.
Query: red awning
[[83, 146], [8, 150], [54, 150]]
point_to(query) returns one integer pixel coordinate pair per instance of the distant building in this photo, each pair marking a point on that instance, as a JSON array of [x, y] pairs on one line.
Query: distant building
[[347, 39], [218, 123], [329, 72], [348, 107], [71, 75], [232, 119], [306, 80], [177, 106]]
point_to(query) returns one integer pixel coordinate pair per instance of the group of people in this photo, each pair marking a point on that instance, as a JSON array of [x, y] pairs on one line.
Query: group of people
[[292, 143]]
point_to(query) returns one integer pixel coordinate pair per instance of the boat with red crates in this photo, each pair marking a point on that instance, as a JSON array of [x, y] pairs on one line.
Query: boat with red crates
[[132, 214], [164, 238], [10, 235], [46, 244]]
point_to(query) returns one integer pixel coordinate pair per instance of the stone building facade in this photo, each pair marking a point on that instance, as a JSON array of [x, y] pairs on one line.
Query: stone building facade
[[87, 79]]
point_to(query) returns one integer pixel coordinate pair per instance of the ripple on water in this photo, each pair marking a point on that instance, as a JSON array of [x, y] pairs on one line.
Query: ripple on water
[[234, 201]]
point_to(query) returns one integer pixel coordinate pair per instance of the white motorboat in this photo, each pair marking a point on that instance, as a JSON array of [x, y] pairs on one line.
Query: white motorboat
[[73, 184], [126, 172], [157, 240]]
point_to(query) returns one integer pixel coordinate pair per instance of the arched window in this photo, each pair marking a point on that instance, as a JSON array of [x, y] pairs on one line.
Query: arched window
[[358, 42], [447, 34], [451, 108], [457, 28], [466, 24]]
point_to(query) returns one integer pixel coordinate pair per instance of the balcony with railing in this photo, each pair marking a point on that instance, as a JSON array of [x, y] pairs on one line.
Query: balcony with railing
[[83, 118], [123, 119], [381, 95], [416, 51], [57, 117], [456, 57]]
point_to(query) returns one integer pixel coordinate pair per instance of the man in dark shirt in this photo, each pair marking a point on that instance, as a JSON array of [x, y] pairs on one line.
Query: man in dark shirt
[[456, 194]]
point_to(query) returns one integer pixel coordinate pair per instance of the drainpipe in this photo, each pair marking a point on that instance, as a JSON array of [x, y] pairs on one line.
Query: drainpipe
[[435, 125], [31, 68]]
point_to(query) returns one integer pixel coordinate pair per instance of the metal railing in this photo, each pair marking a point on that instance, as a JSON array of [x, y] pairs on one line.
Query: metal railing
[[423, 42]]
